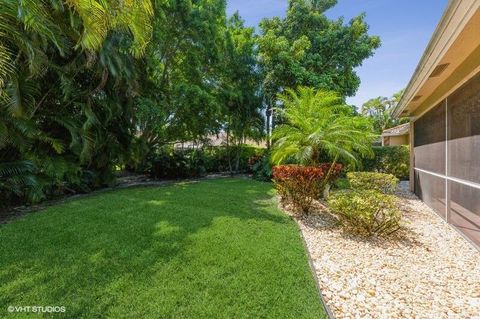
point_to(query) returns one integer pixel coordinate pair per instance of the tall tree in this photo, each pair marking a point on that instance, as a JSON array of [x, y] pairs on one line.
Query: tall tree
[[240, 88], [306, 48]]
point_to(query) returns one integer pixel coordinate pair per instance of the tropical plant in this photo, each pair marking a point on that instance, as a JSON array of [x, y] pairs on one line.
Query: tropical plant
[[380, 110], [67, 77], [318, 124], [393, 160]]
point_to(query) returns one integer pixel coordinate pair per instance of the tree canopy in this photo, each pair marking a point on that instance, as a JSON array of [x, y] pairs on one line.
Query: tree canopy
[[306, 48]]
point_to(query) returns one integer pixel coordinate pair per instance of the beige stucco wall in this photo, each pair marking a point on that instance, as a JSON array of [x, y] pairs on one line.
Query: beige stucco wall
[[395, 140], [399, 140]]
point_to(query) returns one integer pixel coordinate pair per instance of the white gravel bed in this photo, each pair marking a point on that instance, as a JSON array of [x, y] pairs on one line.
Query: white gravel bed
[[428, 271]]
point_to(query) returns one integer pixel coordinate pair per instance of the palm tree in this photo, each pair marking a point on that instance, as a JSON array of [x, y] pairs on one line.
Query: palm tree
[[66, 83], [380, 110], [318, 125]]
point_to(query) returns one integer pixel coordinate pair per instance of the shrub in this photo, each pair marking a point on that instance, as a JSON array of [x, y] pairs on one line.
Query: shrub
[[393, 160], [177, 163], [342, 183], [366, 212], [261, 167], [385, 183], [336, 170], [299, 185]]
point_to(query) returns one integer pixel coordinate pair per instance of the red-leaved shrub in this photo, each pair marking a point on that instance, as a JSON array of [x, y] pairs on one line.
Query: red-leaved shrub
[[336, 170], [254, 160], [300, 185]]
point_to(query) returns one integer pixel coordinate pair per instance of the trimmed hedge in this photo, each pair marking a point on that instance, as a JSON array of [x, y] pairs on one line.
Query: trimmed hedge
[[393, 160], [385, 183], [366, 212]]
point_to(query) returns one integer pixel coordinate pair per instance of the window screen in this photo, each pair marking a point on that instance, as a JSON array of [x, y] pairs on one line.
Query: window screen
[[464, 210], [464, 132], [429, 140], [431, 189]]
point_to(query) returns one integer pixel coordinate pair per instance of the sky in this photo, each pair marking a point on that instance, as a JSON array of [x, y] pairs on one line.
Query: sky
[[404, 27]]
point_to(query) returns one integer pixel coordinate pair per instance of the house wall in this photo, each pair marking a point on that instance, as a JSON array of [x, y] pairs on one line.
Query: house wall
[[399, 140], [446, 158], [395, 140]]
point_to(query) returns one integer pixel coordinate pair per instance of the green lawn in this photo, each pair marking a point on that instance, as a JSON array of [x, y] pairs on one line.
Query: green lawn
[[209, 249]]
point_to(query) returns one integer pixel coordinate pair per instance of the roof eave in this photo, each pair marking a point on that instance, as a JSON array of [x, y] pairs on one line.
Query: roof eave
[[443, 37]]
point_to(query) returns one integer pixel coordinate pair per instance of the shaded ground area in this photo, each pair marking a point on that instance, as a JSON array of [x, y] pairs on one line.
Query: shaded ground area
[[209, 249], [427, 271]]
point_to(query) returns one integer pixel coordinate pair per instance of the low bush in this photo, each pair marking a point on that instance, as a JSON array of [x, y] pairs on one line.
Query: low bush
[[366, 212], [385, 183], [298, 185], [177, 163], [393, 160], [342, 183], [334, 173], [261, 167]]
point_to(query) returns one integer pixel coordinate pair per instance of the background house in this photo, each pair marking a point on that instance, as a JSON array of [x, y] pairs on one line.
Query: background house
[[443, 102], [398, 135]]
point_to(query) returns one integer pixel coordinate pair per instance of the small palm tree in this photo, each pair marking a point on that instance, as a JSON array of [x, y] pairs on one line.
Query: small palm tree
[[319, 124]]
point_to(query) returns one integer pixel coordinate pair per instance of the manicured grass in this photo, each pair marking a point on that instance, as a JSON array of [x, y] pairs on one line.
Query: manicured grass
[[209, 249]]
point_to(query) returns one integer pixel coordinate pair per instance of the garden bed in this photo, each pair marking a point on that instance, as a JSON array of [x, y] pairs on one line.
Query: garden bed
[[426, 271]]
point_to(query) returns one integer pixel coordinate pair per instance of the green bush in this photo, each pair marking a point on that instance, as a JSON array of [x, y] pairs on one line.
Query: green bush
[[385, 183], [342, 183], [366, 212], [393, 160], [176, 163], [262, 168]]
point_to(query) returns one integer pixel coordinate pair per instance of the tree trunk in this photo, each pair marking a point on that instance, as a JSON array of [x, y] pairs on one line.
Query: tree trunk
[[268, 112], [326, 185], [229, 153]]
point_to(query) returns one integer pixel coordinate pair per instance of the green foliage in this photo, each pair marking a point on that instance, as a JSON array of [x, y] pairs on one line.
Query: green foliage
[[88, 86], [380, 110], [385, 183], [161, 252], [366, 212], [307, 49], [342, 183], [170, 163], [393, 160], [240, 81], [262, 168], [318, 124], [68, 71]]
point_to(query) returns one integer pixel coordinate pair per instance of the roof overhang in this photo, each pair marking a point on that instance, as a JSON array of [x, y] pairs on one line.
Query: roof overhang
[[395, 134], [451, 57]]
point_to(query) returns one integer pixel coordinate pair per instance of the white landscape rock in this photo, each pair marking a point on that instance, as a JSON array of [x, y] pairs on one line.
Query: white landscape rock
[[429, 271]]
